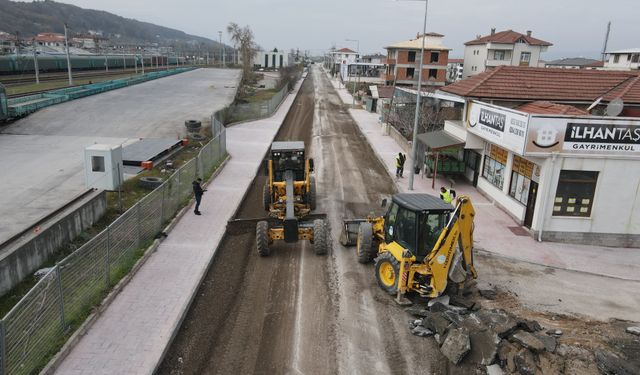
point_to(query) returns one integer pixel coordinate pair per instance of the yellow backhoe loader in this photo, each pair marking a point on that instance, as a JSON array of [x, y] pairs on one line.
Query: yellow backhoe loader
[[421, 244], [289, 196]]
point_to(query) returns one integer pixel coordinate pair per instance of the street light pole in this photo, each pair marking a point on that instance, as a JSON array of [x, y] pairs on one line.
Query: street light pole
[[414, 145], [66, 43]]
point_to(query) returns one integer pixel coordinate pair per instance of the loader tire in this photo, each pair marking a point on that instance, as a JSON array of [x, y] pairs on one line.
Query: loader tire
[[311, 195], [319, 237], [266, 197], [262, 238], [387, 272], [364, 245]]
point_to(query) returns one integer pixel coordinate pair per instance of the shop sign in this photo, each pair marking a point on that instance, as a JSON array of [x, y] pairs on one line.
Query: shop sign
[[583, 135], [498, 125]]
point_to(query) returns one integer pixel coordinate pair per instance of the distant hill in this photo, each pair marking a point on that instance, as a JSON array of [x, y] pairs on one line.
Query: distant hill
[[31, 18]]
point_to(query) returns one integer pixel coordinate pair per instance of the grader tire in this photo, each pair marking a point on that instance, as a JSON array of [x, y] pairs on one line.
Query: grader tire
[[387, 272], [312, 193], [262, 238], [319, 237], [266, 197], [364, 246]]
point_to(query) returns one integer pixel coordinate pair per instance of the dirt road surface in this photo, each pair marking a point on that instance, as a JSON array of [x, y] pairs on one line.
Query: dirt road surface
[[295, 312]]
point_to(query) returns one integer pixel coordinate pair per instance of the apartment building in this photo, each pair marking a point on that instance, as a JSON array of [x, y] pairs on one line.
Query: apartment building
[[626, 59], [454, 70], [502, 48], [403, 61]]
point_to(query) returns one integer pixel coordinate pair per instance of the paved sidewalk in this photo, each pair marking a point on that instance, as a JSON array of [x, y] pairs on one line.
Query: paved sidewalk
[[492, 233], [131, 336]]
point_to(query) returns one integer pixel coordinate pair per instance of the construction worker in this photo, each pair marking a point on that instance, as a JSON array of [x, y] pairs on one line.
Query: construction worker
[[447, 195], [400, 159]]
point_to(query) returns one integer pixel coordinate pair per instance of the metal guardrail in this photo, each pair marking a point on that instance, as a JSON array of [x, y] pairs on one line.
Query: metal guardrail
[[45, 317]]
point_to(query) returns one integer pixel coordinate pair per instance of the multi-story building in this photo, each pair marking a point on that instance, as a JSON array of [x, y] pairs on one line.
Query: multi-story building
[[626, 59], [454, 70], [403, 61], [502, 48], [574, 63], [8, 43], [338, 58]]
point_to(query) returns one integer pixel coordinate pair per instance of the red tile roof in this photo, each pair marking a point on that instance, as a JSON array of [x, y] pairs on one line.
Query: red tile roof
[[345, 50], [507, 37], [456, 61], [552, 84], [548, 108], [50, 37], [385, 91]]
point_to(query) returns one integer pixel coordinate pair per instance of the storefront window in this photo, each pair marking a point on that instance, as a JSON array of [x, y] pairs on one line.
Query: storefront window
[[574, 196], [495, 163], [521, 174]]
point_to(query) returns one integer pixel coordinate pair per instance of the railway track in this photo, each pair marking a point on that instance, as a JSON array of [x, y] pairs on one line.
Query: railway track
[[15, 80]]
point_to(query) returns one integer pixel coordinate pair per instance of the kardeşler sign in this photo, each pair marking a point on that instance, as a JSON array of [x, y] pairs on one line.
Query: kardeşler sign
[[582, 135], [498, 125]]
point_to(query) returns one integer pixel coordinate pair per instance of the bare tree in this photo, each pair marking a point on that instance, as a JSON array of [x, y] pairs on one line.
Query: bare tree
[[243, 36], [402, 117]]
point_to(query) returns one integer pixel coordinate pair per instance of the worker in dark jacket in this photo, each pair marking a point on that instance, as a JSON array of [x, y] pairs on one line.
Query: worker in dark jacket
[[447, 195], [197, 191], [400, 159]]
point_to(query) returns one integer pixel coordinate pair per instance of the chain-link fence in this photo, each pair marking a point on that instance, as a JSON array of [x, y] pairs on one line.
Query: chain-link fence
[[259, 109], [34, 330]]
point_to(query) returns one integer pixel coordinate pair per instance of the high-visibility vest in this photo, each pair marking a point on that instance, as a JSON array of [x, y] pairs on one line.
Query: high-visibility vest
[[398, 162], [446, 196]]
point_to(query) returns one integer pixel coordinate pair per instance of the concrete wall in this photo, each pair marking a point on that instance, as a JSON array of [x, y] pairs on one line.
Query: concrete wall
[[21, 259]]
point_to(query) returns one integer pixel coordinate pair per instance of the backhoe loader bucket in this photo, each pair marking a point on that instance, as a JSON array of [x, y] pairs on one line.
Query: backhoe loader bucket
[[349, 234]]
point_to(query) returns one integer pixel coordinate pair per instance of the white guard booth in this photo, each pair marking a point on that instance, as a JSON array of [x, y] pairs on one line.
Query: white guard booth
[[103, 166]]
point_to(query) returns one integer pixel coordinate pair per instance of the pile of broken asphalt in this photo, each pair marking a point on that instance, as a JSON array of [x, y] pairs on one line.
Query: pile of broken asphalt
[[497, 342]]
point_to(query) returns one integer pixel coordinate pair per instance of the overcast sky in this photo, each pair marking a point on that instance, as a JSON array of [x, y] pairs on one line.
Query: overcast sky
[[575, 27]]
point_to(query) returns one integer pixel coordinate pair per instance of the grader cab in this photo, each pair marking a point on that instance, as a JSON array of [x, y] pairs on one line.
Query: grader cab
[[289, 197]]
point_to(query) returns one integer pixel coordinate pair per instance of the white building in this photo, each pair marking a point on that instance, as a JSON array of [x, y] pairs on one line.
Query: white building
[[342, 57], [502, 48], [574, 63], [626, 59], [271, 59]]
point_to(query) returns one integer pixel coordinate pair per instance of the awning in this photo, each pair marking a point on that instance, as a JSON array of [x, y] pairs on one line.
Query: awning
[[439, 140]]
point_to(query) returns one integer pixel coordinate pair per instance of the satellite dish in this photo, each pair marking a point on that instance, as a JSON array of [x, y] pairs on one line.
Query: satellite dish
[[615, 107]]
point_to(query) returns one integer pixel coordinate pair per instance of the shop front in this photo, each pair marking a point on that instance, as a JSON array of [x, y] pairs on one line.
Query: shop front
[[566, 178]]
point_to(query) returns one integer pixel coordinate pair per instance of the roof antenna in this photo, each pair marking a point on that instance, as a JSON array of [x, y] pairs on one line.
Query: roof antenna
[[606, 41]]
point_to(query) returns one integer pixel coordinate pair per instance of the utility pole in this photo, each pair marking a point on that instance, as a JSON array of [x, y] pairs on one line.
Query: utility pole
[[606, 41], [222, 49], [414, 146], [35, 62], [66, 44], [142, 61], [353, 95]]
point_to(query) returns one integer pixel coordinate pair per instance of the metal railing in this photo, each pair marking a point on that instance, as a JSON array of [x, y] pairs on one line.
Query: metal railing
[[35, 329], [260, 109]]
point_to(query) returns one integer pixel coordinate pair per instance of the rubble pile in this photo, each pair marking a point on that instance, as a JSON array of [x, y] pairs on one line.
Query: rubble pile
[[500, 342]]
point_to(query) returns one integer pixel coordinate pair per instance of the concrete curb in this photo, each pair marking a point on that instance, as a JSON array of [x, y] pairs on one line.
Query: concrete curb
[[185, 311], [55, 362]]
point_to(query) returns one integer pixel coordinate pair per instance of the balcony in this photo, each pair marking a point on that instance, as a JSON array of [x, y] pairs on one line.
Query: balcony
[[498, 62]]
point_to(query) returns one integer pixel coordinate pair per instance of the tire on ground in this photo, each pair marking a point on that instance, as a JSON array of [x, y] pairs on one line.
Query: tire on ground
[[387, 272], [150, 183], [262, 238], [266, 197], [193, 125], [320, 237], [364, 245], [311, 195], [196, 137]]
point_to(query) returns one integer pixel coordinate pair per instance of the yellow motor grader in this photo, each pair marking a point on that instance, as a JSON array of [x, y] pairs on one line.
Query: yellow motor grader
[[421, 244], [289, 196]]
